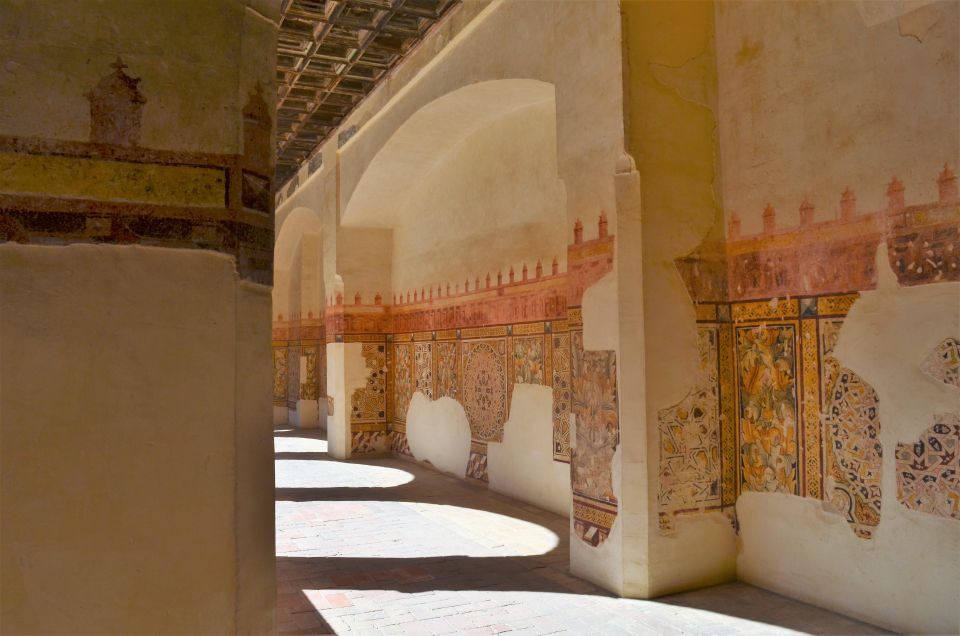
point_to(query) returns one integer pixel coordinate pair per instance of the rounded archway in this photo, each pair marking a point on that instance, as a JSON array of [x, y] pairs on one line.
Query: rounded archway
[[469, 185]]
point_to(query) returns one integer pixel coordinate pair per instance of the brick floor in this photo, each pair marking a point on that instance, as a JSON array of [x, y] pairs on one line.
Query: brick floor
[[388, 546]]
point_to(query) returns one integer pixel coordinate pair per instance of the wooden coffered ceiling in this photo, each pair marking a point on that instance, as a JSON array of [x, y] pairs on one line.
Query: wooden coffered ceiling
[[330, 55]]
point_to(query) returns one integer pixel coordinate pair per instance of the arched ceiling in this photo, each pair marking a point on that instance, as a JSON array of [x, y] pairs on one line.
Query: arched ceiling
[[298, 222], [426, 137], [330, 55]]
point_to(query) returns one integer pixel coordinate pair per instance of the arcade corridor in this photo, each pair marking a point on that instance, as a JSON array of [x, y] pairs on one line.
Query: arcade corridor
[[388, 546]]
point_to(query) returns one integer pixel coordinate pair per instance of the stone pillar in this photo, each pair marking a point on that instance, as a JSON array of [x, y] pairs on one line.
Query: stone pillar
[[136, 230], [310, 409], [671, 539]]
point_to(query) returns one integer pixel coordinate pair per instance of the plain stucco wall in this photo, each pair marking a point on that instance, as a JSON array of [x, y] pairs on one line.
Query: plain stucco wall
[[133, 496], [522, 466], [671, 84], [137, 472], [492, 202], [439, 433]]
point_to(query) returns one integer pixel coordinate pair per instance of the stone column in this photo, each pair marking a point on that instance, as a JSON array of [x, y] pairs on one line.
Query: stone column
[[136, 230]]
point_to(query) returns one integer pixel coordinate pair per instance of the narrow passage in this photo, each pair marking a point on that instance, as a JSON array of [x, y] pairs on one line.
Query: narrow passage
[[387, 546]]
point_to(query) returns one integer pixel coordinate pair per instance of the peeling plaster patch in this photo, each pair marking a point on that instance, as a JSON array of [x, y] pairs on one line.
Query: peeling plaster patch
[[438, 432]]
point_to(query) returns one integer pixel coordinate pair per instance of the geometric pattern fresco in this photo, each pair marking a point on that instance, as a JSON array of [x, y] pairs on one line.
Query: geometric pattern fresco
[[690, 439], [768, 408], [854, 452], [928, 470], [943, 363], [423, 361], [484, 394], [446, 369]]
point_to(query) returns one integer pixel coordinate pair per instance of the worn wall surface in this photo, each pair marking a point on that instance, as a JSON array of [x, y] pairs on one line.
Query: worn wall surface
[[494, 202], [679, 538], [812, 405], [700, 332], [465, 218], [136, 227]]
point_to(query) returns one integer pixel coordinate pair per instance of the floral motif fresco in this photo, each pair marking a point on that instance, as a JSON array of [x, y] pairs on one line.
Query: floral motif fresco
[[854, 452], [528, 360], [403, 380], [423, 362], [484, 395], [561, 397], [943, 363], [928, 471], [690, 439], [369, 404], [446, 369], [766, 363], [594, 376]]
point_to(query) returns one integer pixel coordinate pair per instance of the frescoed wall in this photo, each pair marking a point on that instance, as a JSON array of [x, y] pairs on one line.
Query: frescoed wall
[[451, 238], [727, 372], [841, 218]]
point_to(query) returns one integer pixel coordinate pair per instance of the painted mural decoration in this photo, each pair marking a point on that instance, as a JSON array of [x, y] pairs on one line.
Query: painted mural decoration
[[446, 369], [595, 409], [423, 362], [280, 376], [528, 363], [485, 388], [803, 424], [561, 397], [116, 108], [690, 447], [403, 385], [369, 404], [367, 442], [477, 461], [928, 470], [854, 452], [768, 408], [472, 341], [53, 190], [943, 363], [293, 376], [310, 383]]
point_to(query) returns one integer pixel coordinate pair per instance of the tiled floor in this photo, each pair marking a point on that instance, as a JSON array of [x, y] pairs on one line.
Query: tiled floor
[[390, 547]]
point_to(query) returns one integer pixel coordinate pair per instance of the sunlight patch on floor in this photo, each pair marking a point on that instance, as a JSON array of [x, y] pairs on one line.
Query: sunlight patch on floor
[[321, 473], [417, 530], [299, 445]]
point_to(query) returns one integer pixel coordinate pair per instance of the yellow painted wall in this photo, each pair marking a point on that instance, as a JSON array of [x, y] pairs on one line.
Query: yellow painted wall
[[136, 466], [670, 86]]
